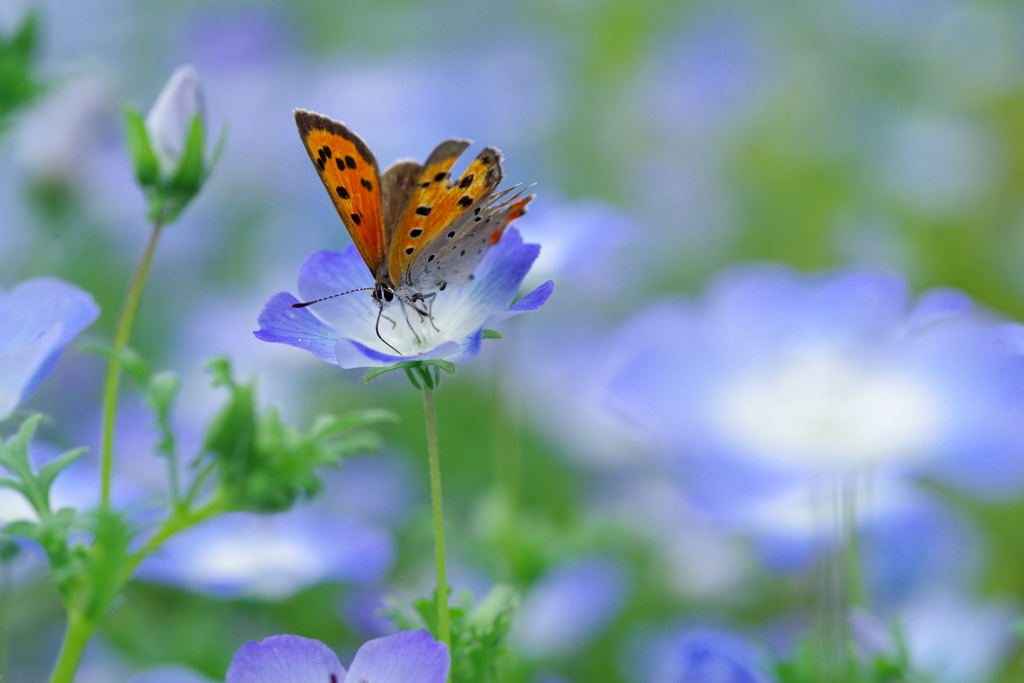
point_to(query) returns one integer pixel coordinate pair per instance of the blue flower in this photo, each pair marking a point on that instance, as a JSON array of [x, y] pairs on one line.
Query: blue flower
[[705, 656], [271, 557], [342, 331], [569, 606], [405, 657], [778, 378], [38, 318]]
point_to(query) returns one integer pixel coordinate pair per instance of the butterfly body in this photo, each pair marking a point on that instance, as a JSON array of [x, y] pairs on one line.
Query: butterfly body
[[419, 230]]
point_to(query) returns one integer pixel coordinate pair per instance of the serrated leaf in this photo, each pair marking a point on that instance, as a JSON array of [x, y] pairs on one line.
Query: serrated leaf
[[493, 334], [49, 471]]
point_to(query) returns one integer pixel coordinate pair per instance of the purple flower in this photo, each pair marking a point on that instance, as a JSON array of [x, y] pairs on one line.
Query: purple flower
[[38, 318], [342, 330], [405, 657]]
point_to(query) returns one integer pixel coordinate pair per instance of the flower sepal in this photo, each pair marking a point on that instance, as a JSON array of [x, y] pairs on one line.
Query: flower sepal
[[421, 373]]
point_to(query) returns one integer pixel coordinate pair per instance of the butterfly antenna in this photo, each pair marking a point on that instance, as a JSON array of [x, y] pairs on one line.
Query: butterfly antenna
[[316, 301], [380, 311]]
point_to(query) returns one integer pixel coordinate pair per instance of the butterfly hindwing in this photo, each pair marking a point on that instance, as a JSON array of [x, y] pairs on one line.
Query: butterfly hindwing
[[397, 184], [437, 203], [449, 261], [349, 171]]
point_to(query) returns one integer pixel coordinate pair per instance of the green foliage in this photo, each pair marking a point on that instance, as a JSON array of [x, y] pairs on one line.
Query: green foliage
[[478, 632], [35, 486], [87, 577], [18, 84], [493, 334], [420, 372], [265, 465]]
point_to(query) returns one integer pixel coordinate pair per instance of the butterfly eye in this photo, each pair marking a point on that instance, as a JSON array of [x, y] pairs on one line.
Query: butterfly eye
[[388, 295]]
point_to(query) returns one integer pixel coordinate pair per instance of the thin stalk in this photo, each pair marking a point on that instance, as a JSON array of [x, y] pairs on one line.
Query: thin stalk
[[443, 628], [121, 336], [75, 639]]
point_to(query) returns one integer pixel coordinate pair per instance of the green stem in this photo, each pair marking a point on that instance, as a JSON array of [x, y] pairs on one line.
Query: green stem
[[443, 628], [75, 639], [179, 521], [79, 629], [121, 336]]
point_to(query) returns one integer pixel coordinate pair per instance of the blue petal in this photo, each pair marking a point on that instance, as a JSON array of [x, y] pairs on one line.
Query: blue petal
[[405, 657], [570, 605], [281, 323], [530, 302], [285, 659], [38, 319], [352, 354], [327, 273]]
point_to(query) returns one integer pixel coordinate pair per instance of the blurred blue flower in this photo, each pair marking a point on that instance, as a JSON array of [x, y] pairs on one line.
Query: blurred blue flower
[[271, 557], [38, 318], [405, 657], [779, 379], [342, 331], [705, 656], [569, 606]]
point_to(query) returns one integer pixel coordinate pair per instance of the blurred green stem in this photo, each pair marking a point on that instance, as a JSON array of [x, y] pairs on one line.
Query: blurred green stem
[[79, 630], [121, 336], [443, 629]]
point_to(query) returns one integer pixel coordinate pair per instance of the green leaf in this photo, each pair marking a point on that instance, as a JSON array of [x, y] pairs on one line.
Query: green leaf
[[144, 161], [493, 334], [49, 471]]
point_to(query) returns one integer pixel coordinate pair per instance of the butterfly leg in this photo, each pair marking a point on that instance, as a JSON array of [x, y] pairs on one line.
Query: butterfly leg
[[409, 322], [430, 298], [390, 320]]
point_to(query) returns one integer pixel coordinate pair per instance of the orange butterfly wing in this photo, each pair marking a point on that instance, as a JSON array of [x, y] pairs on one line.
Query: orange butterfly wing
[[349, 171], [436, 202]]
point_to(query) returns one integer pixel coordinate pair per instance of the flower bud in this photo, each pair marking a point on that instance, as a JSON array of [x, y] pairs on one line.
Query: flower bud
[[169, 122]]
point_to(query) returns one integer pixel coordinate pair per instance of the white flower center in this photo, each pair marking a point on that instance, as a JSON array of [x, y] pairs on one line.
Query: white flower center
[[823, 408]]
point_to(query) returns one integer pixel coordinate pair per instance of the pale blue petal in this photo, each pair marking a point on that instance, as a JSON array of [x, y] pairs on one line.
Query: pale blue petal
[[405, 657], [285, 659]]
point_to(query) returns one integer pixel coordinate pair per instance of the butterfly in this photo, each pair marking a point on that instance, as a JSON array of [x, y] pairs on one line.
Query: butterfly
[[418, 229]]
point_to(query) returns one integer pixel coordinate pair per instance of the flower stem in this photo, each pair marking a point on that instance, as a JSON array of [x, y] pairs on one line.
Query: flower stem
[[121, 336], [75, 639], [443, 628]]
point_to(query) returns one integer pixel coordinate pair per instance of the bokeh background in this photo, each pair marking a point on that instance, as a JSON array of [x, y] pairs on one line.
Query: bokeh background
[[668, 139]]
